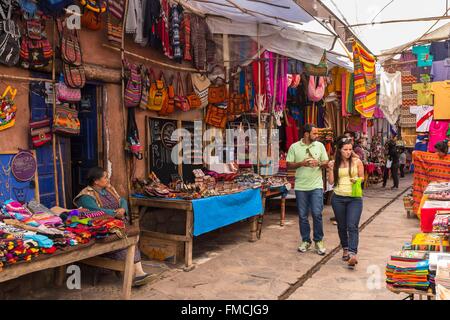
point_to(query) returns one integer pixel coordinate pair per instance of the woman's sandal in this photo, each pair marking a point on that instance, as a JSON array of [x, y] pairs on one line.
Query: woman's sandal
[[345, 256], [352, 262]]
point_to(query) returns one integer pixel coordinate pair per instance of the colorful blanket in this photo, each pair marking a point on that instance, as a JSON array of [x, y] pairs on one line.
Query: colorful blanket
[[365, 81], [428, 167]]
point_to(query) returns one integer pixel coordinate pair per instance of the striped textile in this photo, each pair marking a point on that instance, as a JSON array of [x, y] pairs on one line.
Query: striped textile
[[365, 81], [428, 167], [347, 94]]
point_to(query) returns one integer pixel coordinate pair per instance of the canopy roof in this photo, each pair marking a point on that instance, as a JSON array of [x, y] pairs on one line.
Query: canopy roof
[[284, 27], [380, 38]]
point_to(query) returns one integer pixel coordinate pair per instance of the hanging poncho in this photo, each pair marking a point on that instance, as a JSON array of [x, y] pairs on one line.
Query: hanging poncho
[[365, 81]]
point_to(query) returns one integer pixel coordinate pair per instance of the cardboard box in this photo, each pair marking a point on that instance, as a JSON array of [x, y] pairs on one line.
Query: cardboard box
[[162, 250]]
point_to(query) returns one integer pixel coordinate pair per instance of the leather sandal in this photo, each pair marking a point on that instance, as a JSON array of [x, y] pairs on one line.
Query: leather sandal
[[352, 262], [345, 255]]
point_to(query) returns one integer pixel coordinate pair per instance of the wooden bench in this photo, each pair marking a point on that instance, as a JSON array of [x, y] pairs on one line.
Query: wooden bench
[[88, 255]]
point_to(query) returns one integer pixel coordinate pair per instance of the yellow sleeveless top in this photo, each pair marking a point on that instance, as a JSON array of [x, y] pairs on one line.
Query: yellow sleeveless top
[[344, 188]]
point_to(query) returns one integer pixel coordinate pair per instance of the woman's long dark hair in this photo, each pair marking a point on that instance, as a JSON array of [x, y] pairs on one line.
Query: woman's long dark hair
[[338, 159]]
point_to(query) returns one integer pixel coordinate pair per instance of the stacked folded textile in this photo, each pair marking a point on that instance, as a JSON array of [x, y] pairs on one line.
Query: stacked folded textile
[[31, 230], [441, 223], [429, 242], [443, 276], [86, 225], [408, 273]]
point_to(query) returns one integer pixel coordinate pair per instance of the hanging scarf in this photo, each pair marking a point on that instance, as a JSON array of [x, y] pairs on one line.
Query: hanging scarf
[[365, 81], [268, 67], [282, 85]]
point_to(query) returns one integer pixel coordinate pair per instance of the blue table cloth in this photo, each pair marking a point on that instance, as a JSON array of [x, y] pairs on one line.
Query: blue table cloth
[[216, 212]]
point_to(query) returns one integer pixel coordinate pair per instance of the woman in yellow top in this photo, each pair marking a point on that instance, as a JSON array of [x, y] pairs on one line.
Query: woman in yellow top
[[345, 170]]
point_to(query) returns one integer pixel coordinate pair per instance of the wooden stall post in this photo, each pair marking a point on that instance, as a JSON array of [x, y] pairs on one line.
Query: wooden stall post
[[122, 55], [55, 168], [283, 210], [129, 272], [259, 102], [189, 242]]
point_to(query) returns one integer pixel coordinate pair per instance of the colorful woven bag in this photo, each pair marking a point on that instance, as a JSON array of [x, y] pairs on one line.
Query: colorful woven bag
[[133, 89], [65, 120]]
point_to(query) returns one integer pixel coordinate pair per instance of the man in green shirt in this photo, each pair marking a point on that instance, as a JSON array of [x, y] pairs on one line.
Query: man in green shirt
[[308, 157]]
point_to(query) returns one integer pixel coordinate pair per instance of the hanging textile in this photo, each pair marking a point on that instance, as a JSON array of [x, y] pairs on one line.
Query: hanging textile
[[347, 94], [355, 123], [330, 117], [151, 14], [198, 41], [407, 119], [364, 81], [428, 167], [292, 132], [186, 36], [164, 29], [281, 95], [261, 81], [135, 20], [321, 116], [269, 73], [312, 114], [409, 95], [390, 98]]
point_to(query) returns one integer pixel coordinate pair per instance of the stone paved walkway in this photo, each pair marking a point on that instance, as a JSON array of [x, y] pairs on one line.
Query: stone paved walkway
[[230, 267]]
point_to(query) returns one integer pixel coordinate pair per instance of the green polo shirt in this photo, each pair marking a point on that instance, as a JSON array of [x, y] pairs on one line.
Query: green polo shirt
[[307, 179]]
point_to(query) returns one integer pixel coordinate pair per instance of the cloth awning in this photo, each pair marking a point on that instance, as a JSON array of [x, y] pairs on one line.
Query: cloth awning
[[284, 27]]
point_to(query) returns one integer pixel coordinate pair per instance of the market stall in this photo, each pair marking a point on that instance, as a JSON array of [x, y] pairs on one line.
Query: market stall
[[203, 215], [420, 267]]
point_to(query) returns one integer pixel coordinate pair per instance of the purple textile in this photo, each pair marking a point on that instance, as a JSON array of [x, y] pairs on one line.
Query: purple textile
[[108, 200], [440, 50], [440, 71]]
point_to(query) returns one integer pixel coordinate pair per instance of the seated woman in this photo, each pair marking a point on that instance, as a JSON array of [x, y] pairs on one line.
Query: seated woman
[[99, 195]]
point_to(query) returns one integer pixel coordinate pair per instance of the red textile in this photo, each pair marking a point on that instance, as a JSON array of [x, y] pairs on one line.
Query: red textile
[[292, 135]]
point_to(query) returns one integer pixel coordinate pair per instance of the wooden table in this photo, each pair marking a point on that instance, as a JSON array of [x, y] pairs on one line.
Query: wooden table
[[139, 207], [273, 193], [412, 292], [87, 255]]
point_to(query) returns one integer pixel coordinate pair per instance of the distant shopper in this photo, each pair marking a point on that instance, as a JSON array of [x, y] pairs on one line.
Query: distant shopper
[[441, 148], [344, 173], [392, 164], [308, 157], [402, 161]]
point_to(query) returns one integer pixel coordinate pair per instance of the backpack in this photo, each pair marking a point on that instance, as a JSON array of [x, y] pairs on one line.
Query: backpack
[[35, 49], [70, 45], [157, 95], [9, 38], [74, 77], [133, 89], [92, 11], [170, 100], [74, 74], [145, 73]]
